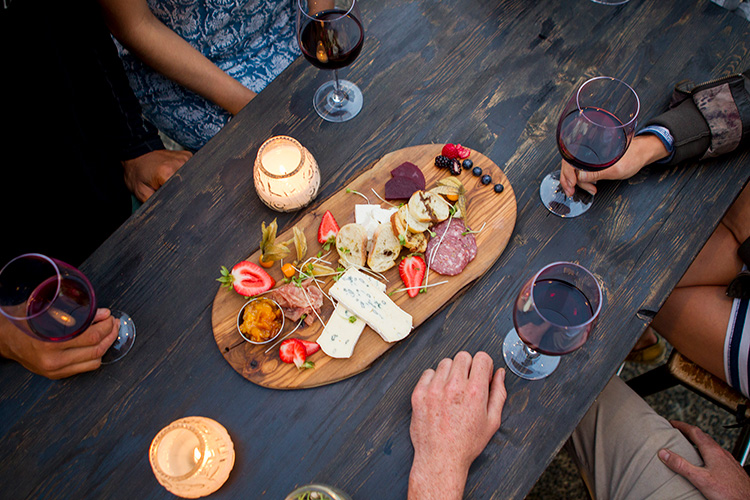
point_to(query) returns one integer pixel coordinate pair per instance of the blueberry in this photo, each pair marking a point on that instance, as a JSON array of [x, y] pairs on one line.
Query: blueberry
[[477, 171], [486, 179], [499, 188], [467, 164]]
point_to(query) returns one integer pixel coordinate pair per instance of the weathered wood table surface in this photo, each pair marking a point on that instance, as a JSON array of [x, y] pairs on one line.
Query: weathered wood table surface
[[492, 75]]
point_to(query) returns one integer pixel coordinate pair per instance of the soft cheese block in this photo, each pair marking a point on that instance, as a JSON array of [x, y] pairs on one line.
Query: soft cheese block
[[343, 329], [357, 293]]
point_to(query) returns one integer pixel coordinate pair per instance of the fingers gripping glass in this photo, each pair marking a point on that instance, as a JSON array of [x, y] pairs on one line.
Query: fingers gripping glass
[[52, 301], [593, 133], [554, 314], [330, 36]]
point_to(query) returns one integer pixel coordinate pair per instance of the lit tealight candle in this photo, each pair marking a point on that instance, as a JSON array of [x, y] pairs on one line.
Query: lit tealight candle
[[286, 175]]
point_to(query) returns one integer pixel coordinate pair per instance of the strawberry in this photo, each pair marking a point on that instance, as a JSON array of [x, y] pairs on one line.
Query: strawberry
[[246, 278], [310, 347], [412, 269], [293, 351], [328, 229]]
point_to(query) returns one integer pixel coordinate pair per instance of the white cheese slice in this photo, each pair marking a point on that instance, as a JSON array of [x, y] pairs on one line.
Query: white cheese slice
[[357, 293], [341, 333]]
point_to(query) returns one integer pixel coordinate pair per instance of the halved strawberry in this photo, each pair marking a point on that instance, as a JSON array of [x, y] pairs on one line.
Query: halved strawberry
[[310, 346], [246, 278], [328, 229], [412, 269], [293, 351]]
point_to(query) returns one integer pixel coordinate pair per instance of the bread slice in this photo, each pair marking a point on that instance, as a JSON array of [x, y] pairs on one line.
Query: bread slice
[[412, 224], [428, 207], [385, 249], [416, 242], [351, 244]]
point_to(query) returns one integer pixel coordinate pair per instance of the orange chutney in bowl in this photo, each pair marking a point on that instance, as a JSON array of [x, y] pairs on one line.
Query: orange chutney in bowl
[[262, 320]]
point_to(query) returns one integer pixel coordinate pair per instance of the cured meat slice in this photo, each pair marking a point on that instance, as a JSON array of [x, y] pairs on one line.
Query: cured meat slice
[[449, 251], [298, 300]]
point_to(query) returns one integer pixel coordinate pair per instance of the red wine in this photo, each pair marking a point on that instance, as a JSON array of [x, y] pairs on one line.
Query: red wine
[[591, 139], [68, 313], [331, 45], [559, 303]]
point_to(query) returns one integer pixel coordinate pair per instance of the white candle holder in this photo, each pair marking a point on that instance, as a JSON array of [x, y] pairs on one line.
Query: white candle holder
[[285, 174], [192, 457]]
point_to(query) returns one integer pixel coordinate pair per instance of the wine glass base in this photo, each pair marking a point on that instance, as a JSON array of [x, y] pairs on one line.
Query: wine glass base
[[124, 341], [529, 368], [334, 109], [560, 204]]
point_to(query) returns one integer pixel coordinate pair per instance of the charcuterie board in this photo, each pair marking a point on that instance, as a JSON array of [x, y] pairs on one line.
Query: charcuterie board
[[494, 213]]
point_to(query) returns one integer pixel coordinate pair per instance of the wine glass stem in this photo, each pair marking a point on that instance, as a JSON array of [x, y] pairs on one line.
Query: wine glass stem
[[531, 355], [338, 95]]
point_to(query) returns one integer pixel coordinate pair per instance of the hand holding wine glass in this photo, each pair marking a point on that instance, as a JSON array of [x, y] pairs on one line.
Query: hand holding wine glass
[[51, 301], [594, 131], [554, 314], [330, 35], [56, 360]]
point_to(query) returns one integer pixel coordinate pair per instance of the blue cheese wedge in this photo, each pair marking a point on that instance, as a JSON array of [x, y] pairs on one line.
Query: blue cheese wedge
[[343, 329], [355, 291]]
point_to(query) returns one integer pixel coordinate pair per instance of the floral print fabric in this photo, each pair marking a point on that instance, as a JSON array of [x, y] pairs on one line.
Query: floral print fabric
[[251, 40]]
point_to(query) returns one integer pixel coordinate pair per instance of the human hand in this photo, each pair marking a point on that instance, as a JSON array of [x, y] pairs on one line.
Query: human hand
[[145, 174], [56, 360], [722, 477], [456, 411], [644, 150]]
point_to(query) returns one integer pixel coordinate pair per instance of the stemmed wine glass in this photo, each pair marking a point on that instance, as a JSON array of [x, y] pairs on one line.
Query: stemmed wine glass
[[594, 131], [330, 35], [554, 314], [52, 301]]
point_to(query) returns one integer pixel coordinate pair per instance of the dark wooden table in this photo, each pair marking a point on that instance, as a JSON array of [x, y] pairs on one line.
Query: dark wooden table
[[492, 75]]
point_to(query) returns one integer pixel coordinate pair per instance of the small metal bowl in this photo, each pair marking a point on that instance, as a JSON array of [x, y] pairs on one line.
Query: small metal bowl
[[242, 312]]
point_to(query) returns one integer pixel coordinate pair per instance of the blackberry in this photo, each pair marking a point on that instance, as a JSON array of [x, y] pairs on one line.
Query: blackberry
[[477, 171], [455, 167], [499, 188], [443, 162], [467, 164], [486, 179]]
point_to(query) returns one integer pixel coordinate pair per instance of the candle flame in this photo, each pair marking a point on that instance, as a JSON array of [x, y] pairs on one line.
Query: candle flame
[[62, 317]]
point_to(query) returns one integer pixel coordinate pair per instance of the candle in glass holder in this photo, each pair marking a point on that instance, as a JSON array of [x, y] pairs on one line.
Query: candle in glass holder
[[192, 457], [286, 175]]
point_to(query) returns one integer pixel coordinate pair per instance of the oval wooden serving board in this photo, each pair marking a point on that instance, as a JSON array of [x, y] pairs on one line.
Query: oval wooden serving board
[[497, 212]]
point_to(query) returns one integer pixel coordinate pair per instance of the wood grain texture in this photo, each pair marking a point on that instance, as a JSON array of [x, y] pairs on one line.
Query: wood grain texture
[[493, 213], [492, 75]]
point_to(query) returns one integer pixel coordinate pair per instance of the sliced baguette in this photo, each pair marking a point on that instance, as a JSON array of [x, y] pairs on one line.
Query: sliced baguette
[[351, 244], [412, 224], [416, 242], [385, 249], [428, 207]]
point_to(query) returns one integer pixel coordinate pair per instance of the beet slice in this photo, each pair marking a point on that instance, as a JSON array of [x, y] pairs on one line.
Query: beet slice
[[399, 188], [411, 171]]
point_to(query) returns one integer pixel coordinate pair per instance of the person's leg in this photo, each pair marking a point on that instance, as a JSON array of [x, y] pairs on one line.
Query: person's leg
[[616, 444]]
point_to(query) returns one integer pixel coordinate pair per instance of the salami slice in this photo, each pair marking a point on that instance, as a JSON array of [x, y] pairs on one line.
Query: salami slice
[[449, 251]]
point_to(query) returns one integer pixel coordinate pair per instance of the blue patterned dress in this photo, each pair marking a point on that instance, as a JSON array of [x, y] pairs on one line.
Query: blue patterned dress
[[251, 40]]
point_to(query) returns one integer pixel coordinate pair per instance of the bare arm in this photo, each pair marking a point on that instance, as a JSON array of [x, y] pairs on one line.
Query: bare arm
[[136, 27], [456, 411]]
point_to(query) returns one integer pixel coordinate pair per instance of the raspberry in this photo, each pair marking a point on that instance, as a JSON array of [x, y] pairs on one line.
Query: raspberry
[[451, 151], [462, 151]]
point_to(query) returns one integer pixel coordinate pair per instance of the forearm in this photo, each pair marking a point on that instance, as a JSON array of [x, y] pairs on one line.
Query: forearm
[[158, 46], [431, 479]]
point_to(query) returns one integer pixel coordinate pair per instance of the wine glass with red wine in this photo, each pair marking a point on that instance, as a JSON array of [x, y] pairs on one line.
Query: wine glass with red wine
[[330, 35], [52, 301], [594, 131], [554, 314]]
